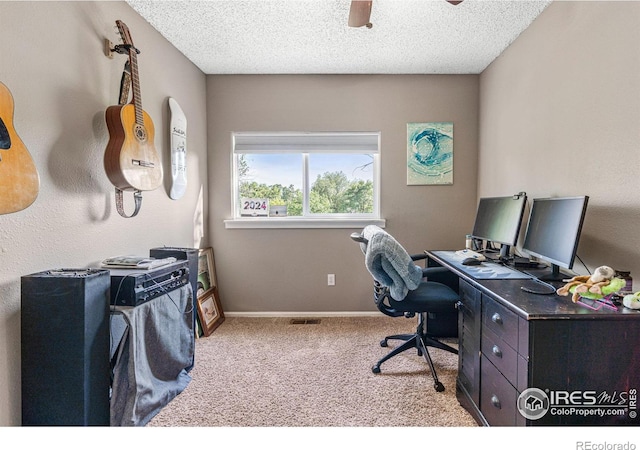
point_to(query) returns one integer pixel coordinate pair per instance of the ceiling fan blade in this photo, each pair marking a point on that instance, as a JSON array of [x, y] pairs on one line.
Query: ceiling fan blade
[[360, 13]]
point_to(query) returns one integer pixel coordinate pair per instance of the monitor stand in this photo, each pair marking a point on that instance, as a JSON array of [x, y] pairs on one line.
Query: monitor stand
[[499, 256], [553, 274]]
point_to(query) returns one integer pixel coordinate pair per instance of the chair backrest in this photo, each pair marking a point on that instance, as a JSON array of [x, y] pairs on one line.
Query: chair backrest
[[391, 267], [381, 294]]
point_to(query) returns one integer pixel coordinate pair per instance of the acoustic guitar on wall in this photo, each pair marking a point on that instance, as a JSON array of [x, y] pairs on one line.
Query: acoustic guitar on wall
[[131, 160], [19, 180]]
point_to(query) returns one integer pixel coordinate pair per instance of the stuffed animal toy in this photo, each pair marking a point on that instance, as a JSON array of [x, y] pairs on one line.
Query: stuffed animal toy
[[632, 301], [593, 284]]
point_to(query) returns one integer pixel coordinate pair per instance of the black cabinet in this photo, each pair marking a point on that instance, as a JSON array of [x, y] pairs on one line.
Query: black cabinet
[[65, 347], [533, 360], [469, 316], [499, 363]]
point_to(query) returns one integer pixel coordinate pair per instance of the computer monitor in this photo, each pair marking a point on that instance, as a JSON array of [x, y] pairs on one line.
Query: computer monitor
[[553, 232], [498, 220]]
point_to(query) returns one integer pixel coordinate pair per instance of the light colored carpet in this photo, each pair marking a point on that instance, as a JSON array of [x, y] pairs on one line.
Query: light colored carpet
[[267, 372]]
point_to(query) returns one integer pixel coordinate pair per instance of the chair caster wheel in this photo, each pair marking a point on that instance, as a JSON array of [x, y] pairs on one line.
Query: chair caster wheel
[[383, 343], [376, 369], [439, 387]]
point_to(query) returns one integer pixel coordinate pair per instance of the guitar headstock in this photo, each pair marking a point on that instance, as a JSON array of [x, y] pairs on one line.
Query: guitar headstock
[[125, 35]]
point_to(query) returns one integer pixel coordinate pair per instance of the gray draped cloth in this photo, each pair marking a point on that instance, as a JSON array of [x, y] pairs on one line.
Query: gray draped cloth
[[389, 263], [153, 357]]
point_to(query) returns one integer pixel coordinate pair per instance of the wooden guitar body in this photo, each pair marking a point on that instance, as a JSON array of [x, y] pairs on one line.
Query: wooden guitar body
[[19, 180], [130, 159]]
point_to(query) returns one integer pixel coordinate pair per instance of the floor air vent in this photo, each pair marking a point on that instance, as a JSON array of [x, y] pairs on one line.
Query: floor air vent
[[304, 321]]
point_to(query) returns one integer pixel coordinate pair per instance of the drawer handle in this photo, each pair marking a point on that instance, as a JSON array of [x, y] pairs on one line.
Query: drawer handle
[[496, 351], [497, 318], [495, 401]]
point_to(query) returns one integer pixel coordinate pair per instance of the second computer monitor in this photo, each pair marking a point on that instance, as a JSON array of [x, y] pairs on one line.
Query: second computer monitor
[[553, 232], [498, 220]]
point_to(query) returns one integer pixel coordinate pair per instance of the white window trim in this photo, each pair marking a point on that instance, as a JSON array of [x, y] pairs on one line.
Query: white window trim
[[305, 143], [291, 222]]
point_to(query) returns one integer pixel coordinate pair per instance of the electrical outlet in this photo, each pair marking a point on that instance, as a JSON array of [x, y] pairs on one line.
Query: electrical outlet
[[331, 279]]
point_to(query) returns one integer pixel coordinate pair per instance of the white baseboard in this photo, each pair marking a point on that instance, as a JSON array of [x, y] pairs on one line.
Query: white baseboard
[[303, 314]]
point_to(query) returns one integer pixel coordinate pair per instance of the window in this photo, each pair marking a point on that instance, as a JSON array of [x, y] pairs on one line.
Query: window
[[327, 179]]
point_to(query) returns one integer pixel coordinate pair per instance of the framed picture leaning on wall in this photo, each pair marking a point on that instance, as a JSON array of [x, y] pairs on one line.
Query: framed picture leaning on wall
[[210, 314], [206, 271], [210, 311]]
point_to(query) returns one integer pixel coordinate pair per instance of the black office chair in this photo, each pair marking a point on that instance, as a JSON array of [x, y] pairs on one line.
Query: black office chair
[[402, 288]]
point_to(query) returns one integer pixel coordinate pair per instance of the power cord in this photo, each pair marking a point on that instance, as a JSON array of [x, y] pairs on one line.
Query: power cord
[[549, 291]]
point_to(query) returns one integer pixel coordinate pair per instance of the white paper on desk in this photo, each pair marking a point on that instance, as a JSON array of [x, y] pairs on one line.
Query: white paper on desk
[[136, 262]]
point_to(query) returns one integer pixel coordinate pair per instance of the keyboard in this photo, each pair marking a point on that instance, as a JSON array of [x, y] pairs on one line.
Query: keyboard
[[466, 253]]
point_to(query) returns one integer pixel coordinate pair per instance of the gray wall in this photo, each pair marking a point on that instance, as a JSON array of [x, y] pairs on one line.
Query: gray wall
[[286, 270], [560, 115], [51, 59]]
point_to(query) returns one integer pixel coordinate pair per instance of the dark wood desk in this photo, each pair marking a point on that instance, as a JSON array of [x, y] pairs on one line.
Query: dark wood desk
[[528, 359]]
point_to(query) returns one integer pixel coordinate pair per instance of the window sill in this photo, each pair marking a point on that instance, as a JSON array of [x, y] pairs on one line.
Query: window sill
[[259, 222]]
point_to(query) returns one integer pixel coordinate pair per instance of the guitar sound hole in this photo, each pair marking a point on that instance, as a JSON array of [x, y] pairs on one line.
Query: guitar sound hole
[[140, 133], [5, 139]]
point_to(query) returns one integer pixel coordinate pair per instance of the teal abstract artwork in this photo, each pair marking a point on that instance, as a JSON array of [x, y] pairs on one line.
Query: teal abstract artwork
[[430, 153]]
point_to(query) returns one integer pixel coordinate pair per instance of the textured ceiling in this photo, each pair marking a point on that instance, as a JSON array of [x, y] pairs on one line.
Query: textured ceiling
[[312, 36]]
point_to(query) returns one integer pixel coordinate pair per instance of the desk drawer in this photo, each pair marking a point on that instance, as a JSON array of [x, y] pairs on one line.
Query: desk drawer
[[501, 355], [501, 321], [497, 396]]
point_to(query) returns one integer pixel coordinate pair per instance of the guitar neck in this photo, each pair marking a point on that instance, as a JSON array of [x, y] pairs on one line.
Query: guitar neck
[[137, 96]]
